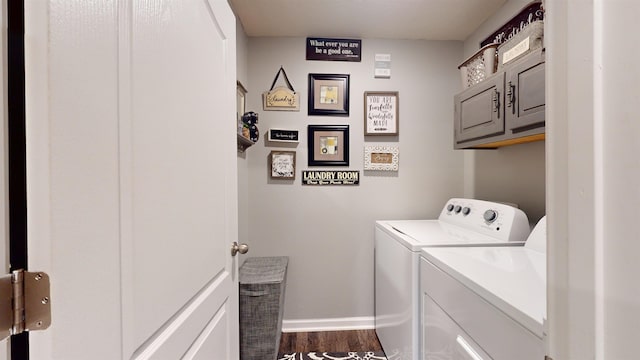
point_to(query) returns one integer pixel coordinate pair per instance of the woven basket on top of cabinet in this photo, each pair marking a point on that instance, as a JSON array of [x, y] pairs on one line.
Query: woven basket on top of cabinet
[[479, 66]]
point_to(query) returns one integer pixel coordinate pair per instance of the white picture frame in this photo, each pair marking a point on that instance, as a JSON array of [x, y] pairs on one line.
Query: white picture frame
[[381, 157]]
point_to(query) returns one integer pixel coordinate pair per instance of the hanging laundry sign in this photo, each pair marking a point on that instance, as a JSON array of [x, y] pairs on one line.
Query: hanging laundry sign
[[281, 98]]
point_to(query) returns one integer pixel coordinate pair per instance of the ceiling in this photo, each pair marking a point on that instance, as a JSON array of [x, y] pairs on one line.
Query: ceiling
[[381, 19]]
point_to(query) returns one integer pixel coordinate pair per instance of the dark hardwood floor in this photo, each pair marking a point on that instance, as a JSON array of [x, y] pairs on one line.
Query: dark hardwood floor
[[330, 341]]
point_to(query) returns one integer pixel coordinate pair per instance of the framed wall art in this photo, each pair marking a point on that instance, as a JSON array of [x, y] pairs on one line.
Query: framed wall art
[[328, 145], [381, 157], [241, 94], [283, 164], [381, 113], [328, 94]]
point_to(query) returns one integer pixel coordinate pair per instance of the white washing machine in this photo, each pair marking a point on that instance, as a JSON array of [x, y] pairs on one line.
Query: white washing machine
[[398, 243], [484, 303]]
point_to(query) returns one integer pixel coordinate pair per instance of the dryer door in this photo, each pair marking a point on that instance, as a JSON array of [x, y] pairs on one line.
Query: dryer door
[[443, 339]]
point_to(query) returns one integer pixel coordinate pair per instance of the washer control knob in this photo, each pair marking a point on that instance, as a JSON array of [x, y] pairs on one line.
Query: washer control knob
[[449, 207], [466, 210], [490, 216], [458, 209]]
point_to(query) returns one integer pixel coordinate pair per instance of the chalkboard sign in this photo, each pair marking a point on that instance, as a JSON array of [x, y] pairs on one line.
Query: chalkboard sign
[[334, 49], [283, 135]]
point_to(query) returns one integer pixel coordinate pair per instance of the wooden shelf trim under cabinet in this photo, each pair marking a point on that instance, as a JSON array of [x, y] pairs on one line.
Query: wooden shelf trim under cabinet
[[522, 140]]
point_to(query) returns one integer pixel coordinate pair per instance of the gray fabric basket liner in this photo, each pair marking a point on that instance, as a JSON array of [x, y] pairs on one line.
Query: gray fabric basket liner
[[262, 285], [260, 270]]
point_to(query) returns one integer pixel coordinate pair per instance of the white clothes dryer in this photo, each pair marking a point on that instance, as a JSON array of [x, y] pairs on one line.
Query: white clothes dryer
[[398, 243], [484, 303]]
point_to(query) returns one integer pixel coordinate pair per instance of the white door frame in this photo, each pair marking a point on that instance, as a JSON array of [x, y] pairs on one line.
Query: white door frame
[[4, 160], [573, 192], [593, 172]]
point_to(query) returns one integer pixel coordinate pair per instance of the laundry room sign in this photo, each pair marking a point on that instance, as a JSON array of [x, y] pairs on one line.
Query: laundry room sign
[[349, 177], [334, 49]]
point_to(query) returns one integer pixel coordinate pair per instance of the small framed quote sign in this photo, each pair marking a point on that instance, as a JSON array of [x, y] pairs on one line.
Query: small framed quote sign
[[381, 113], [283, 164], [382, 158]]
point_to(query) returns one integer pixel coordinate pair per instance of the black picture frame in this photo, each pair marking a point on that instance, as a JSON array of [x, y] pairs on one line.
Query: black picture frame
[[328, 94], [328, 145]]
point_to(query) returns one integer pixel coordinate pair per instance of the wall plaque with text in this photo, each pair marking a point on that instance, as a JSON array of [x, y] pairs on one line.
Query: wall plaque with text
[[334, 49], [532, 12], [321, 177], [283, 135]]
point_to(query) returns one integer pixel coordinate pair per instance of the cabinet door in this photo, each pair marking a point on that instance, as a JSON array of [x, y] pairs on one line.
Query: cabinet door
[[525, 98], [479, 110]]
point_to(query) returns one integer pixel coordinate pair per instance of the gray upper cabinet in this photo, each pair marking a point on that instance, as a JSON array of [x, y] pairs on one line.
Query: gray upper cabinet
[[506, 108], [479, 112], [525, 102]]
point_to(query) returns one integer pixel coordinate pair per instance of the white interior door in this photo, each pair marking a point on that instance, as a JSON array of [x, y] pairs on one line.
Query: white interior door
[[132, 177]]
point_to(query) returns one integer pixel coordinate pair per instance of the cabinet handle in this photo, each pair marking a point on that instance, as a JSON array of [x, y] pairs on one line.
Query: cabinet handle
[[496, 102], [511, 94]]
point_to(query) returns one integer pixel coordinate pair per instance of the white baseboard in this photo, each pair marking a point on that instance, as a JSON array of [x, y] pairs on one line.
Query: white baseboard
[[306, 325]]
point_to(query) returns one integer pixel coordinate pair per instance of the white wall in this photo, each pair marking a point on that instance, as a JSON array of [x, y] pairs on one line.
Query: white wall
[[242, 49], [514, 173], [620, 171], [328, 231]]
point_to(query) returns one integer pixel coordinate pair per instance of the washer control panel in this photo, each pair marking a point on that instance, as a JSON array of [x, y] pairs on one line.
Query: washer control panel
[[499, 220]]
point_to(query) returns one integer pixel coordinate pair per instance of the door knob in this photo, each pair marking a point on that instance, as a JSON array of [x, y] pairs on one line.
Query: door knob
[[242, 248]]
